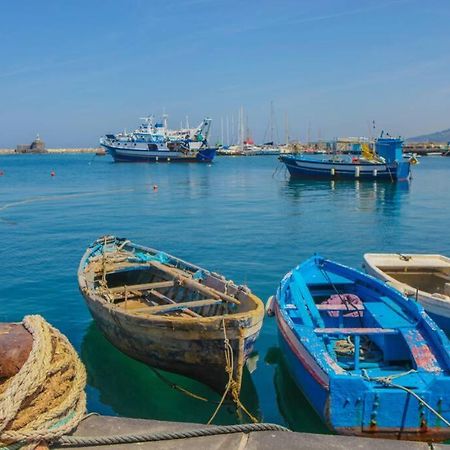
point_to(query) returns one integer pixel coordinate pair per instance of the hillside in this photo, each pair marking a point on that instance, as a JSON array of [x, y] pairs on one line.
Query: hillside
[[438, 136]]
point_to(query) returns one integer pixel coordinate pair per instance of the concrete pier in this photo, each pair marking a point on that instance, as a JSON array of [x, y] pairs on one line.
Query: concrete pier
[[261, 440]]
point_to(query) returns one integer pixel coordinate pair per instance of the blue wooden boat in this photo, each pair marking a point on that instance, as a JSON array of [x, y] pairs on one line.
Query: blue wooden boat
[[386, 163], [370, 361]]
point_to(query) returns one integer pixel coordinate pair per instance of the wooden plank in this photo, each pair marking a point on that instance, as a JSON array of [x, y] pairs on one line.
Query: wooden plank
[[142, 287], [351, 308], [184, 280], [176, 306], [355, 331], [165, 299]]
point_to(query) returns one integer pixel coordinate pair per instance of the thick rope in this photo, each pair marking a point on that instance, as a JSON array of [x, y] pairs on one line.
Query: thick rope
[[232, 384], [46, 398], [75, 441]]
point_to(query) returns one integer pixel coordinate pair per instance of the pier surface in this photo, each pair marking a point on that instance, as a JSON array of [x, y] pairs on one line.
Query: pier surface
[[261, 440]]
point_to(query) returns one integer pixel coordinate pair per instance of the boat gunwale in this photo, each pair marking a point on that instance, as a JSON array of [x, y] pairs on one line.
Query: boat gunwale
[[90, 295]]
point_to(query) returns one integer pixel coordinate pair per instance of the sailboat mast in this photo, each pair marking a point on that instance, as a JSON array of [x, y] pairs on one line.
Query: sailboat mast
[[241, 124], [286, 128], [271, 121], [221, 128], [228, 131]]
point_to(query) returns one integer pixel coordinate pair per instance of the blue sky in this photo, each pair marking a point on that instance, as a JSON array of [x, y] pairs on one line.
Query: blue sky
[[74, 70]]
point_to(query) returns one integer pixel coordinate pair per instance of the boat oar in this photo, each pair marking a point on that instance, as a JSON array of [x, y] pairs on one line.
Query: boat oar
[[193, 284]]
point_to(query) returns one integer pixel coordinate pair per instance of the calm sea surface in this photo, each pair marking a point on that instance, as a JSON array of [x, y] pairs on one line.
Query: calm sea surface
[[239, 216]]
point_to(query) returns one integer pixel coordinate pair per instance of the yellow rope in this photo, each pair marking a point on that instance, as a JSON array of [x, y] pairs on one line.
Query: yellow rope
[[46, 398], [232, 384]]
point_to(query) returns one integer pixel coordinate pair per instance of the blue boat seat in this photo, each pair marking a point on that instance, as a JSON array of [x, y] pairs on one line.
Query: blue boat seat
[[352, 308], [382, 314], [355, 331]]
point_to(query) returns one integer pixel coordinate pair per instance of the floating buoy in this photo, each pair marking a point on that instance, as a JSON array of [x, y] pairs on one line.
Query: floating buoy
[[52, 173], [155, 187]]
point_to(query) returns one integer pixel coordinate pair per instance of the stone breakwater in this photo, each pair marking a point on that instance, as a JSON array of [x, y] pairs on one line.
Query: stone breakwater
[[11, 151]]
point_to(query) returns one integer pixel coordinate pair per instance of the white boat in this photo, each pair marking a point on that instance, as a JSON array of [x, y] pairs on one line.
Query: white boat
[[423, 277], [153, 142]]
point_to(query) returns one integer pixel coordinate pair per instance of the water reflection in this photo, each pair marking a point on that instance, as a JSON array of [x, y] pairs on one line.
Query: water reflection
[[293, 405], [132, 389], [366, 195]]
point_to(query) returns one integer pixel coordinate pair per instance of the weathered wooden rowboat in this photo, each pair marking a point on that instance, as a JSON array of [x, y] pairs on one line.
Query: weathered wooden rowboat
[[168, 313], [370, 361], [425, 278]]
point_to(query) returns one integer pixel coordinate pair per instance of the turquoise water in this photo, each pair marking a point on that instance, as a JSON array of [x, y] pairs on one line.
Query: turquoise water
[[239, 216]]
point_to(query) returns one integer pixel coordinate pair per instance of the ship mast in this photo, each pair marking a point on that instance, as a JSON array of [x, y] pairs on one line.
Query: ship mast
[[241, 128], [286, 127]]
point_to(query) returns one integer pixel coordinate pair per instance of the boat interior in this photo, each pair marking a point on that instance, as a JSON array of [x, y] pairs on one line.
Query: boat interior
[[150, 287], [432, 280], [360, 328]]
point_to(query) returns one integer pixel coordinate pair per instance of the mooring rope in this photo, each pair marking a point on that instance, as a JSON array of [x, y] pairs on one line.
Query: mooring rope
[[232, 385], [387, 382], [46, 398], [75, 441]]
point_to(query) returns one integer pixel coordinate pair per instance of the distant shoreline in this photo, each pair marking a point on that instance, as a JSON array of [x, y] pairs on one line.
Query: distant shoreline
[[11, 151]]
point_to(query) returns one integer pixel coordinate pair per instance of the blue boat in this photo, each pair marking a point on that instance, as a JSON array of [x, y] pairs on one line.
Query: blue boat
[[153, 142], [370, 361], [386, 163]]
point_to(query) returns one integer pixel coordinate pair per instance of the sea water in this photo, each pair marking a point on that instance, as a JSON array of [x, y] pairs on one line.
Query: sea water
[[242, 217]]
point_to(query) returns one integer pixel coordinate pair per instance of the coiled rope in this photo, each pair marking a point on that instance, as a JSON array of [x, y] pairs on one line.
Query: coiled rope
[[46, 398], [75, 441]]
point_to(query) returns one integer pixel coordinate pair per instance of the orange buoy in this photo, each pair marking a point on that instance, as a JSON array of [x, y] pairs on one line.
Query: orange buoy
[[52, 173]]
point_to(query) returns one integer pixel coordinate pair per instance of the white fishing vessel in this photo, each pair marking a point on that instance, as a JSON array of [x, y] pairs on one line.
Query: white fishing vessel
[[153, 142]]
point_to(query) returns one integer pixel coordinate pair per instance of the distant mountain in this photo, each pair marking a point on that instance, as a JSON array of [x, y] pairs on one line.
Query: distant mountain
[[438, 136]]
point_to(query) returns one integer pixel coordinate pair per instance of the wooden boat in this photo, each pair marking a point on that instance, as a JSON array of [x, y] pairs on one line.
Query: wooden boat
[[425, 278], [168, 313], [363, 354]]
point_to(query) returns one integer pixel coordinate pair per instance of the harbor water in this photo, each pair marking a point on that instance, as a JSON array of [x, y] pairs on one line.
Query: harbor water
[[241, 217]]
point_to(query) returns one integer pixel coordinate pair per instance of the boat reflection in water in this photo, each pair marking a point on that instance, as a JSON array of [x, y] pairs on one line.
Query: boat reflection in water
[[365, 194], [295, 409], [119, 385]]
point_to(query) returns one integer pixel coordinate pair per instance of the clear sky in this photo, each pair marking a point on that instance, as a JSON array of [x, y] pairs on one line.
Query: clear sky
[[74, 70]]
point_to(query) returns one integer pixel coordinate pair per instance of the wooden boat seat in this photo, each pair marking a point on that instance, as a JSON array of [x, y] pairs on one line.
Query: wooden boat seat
[[352, 308], [355, 331], [177, 306], [142, 287], [382, 313]]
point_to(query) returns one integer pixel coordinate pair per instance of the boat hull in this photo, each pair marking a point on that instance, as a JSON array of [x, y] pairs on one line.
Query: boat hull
[[205, 155], [192, 348], [195, 344], [299, 168], [437, 308], [308, 377], [347, 399]]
